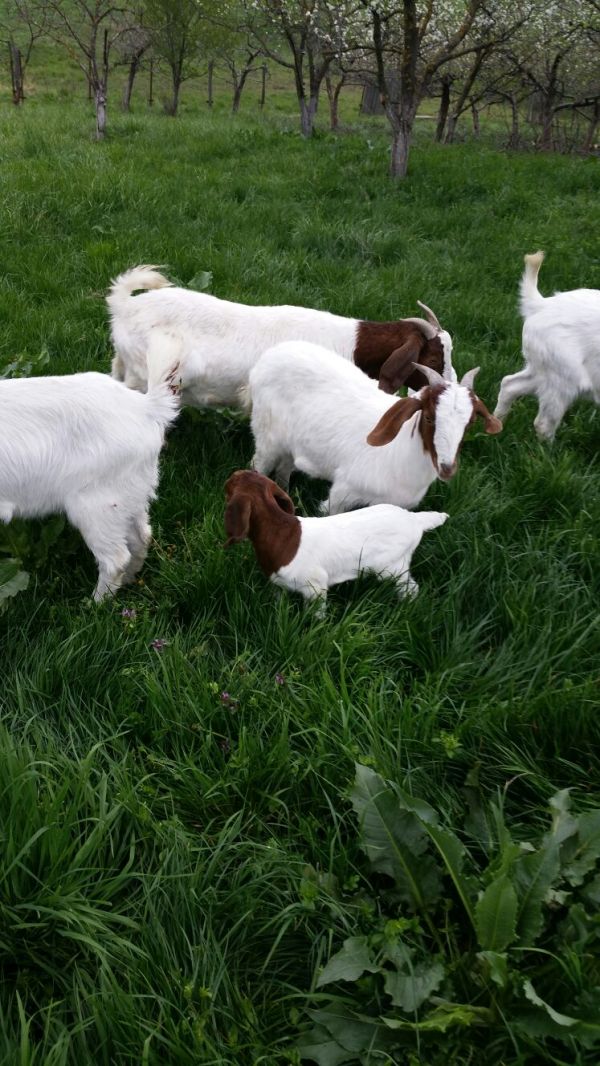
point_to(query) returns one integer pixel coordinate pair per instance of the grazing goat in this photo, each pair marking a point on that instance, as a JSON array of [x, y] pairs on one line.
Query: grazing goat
[[85, 445], [561, 345], [308, 555], [222, 340], [316, 413]]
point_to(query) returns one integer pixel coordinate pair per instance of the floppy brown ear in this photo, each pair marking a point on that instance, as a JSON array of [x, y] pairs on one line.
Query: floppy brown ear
[[490, 422], [391, 422], [283, 500], [398, 367], [237, 519]]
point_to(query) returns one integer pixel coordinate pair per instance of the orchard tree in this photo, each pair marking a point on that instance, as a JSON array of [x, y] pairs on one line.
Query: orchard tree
[[20, 28], [182, 32], [305, 36]]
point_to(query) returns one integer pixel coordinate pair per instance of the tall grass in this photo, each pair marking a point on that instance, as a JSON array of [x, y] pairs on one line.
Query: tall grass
[[178, 847]]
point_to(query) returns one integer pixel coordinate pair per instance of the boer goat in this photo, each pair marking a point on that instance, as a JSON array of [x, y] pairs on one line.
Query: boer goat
[[222, 341], [87, 446], [314, 412], [308, 555], [561, 345]]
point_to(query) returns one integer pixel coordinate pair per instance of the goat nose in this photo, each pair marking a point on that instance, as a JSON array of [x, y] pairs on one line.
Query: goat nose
[[447, 470]]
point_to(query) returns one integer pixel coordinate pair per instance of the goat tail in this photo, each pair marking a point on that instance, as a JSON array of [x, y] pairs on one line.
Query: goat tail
[[139, 277], [244, 398], [164, 358], [431, 519], [531, 299]]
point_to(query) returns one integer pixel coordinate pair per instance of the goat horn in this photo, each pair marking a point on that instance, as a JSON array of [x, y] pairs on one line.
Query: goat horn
[[430, 316], [468, 378], [427, 328], [432, 375]]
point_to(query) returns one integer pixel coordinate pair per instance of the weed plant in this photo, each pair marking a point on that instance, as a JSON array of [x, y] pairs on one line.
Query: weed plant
[[180, 855]]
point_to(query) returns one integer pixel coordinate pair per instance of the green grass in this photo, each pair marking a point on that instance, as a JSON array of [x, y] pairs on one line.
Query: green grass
[[161, 843]]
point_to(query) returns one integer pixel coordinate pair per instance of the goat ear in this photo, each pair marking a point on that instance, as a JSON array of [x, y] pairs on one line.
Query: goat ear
[[398, 367], [283, 500], [391, 422], [237, 519], [490, 422]]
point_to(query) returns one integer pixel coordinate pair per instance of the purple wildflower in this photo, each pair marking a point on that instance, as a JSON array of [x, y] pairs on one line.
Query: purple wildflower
[[159, 644], [129, 612], [279, 679]]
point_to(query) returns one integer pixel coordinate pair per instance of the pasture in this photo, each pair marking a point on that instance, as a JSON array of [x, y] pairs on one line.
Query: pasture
[[180, 852]]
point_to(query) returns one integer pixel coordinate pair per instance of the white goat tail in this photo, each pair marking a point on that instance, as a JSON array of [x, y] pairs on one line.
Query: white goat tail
[[139, 277], [531, 298], [164, 359]]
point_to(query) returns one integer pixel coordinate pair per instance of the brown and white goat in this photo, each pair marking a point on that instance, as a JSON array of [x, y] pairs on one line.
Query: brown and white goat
[[309, 555], [221, 341], [316, 413]]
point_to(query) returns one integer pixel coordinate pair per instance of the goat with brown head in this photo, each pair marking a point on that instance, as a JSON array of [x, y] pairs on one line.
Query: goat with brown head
[[398, 353], [259, 509], [446, 411]]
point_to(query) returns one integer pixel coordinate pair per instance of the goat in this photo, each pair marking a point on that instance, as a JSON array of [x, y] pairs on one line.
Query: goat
[[316, 413], [224, 340], [309, 555], [85, 445], [561, 346]]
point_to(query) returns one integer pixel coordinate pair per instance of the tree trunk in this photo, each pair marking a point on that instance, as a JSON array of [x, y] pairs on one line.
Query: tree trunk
[[263, 87], [128, 89], [400, 149], [100, 101], [151, 84], [333, 94], [475, 117], [545, 139], [588, 144], [238, 90], [513, 140], [307, 115], [444, 109], [211, 67], [171, 107], [16, 71]]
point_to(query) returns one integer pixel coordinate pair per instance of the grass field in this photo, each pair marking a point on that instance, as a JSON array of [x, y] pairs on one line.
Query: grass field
[[180, 853]]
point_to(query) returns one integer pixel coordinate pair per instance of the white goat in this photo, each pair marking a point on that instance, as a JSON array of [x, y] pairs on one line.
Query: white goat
[[561, 346], [309, 555], [319, 414], [222, 340], [85, 445]]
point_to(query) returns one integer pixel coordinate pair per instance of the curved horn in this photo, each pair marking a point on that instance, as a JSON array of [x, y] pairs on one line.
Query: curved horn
[[432, 375], [468, 378], [430, 315], [426, 327]]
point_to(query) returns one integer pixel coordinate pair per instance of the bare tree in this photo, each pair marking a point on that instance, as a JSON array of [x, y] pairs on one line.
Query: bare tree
[[20, 28], [132, 46], [179, 29]]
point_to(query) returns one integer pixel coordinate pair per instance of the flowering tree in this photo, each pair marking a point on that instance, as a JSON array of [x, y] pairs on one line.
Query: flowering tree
[[306, 36]]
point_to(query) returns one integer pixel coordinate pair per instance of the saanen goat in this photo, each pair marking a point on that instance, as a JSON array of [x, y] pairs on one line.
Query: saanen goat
[[561, 346], [222, 341], [85, 445], [319, 414], [309, 555]]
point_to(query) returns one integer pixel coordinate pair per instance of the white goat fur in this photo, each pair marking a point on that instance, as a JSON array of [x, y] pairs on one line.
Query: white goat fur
[[312, 412], [85, 445], [221, 340], [561, 346], [338, 548]]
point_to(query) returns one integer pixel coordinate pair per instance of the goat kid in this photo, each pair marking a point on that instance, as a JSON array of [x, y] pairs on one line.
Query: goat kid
[[85, 445], [224, 340], [313, 412], [309, 555], [561, 346]]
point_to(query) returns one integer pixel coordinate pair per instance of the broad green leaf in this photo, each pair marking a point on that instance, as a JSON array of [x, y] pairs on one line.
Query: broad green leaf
[[496, 915], [444, 1017], [580, 853], [497, 966], [12, 579], [533, 876], [532, 996], [353, 959], [453, 854], [591, 892], [201, 281], [564, 824], [409, 990], [394, 839], [350, 1032], [318, 1046]]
